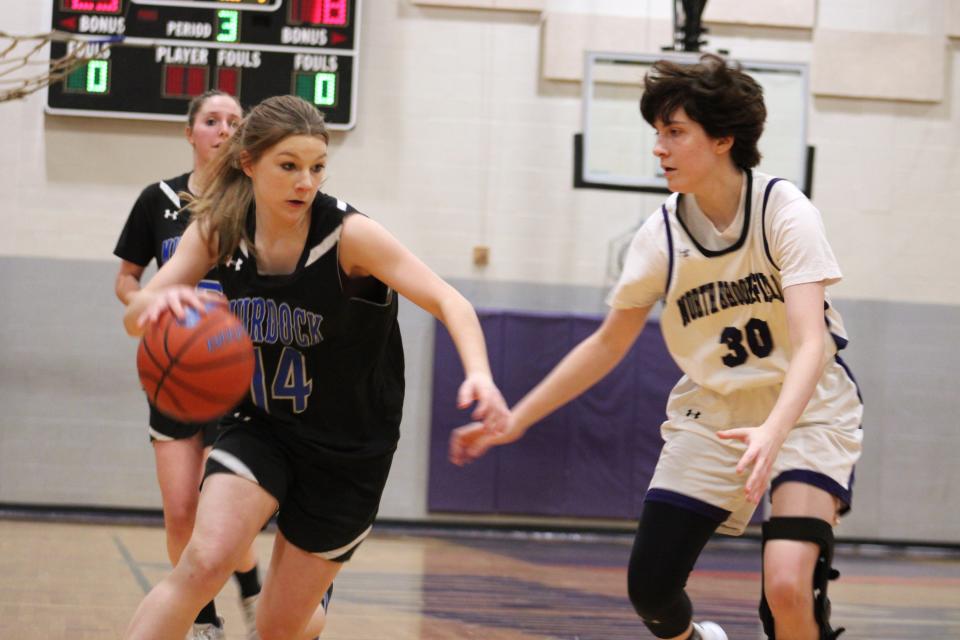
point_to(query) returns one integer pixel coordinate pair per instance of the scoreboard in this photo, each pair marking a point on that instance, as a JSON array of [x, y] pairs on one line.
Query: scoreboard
[[173, 50]]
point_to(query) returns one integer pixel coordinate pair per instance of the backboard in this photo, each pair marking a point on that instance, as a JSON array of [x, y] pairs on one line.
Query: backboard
[[617, 146]]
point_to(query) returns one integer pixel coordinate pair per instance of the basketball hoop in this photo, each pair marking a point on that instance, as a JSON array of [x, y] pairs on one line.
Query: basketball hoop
[[25, 67]]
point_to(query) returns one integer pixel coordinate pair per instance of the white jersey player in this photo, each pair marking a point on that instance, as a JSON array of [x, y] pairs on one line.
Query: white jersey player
[[741, 263], [725, 324]]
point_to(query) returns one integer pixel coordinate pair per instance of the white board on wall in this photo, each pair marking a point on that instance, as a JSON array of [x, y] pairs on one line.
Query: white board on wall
[[509, 5], [567, 36], [772, 13], [952, 19], [618, 143], [882, 66]]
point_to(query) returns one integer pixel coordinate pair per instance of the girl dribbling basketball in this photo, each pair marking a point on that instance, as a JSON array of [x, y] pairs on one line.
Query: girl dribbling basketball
[[315, 284], [152, 232]]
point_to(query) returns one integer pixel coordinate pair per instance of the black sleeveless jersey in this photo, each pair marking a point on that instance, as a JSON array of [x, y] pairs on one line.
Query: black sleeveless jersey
[[155, 224], [329, 360]]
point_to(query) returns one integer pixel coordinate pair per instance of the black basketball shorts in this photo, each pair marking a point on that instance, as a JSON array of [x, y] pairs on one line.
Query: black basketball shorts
[[327, 503], [164, 429]]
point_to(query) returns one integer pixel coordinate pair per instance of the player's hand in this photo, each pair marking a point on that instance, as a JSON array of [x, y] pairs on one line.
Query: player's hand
[[490, 409], [177, 298], [763, 445], [469, 442]]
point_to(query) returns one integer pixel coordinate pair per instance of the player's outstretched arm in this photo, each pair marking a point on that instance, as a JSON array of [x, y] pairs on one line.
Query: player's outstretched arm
[[584, 366], [173, 286], [369, 249]]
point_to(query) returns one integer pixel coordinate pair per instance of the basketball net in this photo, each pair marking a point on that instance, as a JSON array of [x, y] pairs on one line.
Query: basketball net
[[25, 67]]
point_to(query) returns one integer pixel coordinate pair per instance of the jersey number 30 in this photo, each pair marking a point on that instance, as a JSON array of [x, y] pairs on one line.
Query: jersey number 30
[[290, 381], [758, 339]]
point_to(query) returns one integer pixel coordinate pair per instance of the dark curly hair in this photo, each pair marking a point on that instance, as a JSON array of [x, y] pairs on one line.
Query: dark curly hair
[[723, 99]]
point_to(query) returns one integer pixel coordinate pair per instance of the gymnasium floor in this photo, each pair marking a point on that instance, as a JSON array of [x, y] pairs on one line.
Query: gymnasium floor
[[80, 581]]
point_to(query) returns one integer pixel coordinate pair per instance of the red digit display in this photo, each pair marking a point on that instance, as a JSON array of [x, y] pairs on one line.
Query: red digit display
[[268, 5], [92, 6], [335, 12], [327, 13], [184, 81], [228, 79]]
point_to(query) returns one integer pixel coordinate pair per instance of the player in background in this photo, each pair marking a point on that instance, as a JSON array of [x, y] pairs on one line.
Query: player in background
[[152, 232], [316, 286], [741, 262]]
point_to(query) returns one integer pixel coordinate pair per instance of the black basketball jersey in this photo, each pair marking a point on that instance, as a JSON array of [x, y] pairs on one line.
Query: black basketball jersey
[[329, 360], [155, 224]]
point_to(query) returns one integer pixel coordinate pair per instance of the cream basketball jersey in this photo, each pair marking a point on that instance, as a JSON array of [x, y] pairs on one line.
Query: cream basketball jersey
[[724, 318]]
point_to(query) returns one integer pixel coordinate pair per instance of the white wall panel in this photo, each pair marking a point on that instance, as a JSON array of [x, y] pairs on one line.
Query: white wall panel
[[922, 17], [511, 5], [772, 13], [952, 19], [886, 66], [566, 36]]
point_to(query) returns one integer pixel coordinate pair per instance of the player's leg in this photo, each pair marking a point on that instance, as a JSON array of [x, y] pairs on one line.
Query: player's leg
[[292, 603], [230, 514], [669, 539], [328, 511], [248, 581], [797, 554], [179, 471], [179, 453], [694, 492], [246, 574], [811, 483]]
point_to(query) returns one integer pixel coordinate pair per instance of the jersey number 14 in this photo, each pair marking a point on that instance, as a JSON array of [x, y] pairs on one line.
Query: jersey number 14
[[289, 382]]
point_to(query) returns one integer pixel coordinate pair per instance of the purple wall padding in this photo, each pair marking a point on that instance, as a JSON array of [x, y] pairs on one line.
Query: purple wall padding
[[592, 458]]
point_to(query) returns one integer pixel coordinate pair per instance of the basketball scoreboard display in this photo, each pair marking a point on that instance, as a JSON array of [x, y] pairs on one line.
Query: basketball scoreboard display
[[173, 50]]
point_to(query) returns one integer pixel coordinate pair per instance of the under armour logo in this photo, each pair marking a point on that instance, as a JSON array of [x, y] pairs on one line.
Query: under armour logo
[[235, 265], [693, 414], [171, 215], [684, 253]]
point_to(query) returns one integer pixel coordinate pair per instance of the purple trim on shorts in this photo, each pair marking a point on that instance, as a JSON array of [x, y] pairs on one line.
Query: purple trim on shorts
[[819, 480], [686, 502]]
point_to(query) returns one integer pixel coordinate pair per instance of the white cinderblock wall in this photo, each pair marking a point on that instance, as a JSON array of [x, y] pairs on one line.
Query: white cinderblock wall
[[459, 142]]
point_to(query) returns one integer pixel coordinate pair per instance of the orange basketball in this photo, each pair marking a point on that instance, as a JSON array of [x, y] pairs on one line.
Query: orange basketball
[[198, 368]]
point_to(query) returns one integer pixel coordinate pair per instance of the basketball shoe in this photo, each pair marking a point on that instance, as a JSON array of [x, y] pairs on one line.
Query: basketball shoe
[[249, 606], [208, 632], [325, 602], [708, 631]]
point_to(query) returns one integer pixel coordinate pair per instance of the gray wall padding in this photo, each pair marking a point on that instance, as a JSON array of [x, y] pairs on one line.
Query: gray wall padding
[[73, 426]]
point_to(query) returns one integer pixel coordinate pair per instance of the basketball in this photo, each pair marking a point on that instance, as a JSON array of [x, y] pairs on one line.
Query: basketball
[[198, 368]]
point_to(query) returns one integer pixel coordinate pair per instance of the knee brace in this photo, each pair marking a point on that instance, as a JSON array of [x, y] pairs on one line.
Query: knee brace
[[820, 533]]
